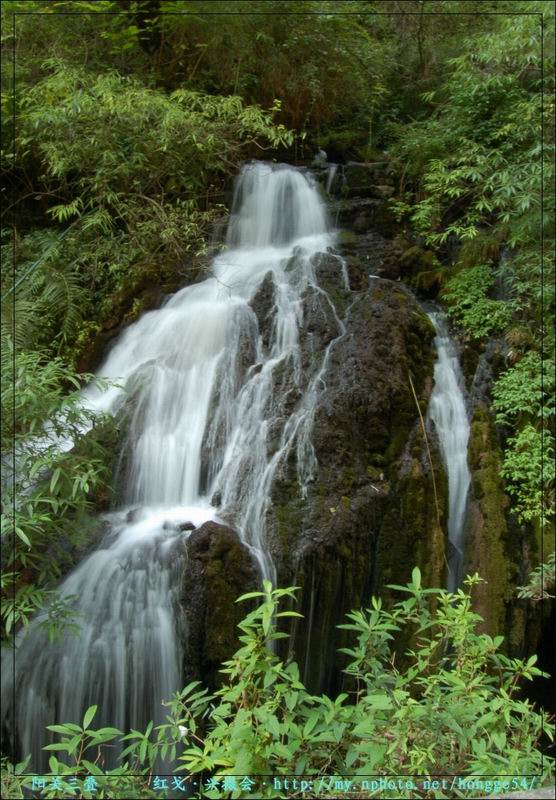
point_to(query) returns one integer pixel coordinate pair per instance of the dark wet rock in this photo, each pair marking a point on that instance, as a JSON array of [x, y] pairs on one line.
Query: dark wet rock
[[363, 214], [247, 347], [373, 179], [482, 365], [319, 320], [320, 160], [345, 211], [218, 570], [262, 304], [384, 192], [328, 272], [186, 526], [370, 254], [371, 514]]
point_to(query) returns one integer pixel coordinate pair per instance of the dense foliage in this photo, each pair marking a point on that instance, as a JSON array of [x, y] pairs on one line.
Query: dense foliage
[[122, 124], [481, 169], [450, 706]]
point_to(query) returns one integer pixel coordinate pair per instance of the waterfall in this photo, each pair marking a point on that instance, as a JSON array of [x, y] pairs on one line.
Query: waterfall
[[448, 412], [208, 399], [330, 175]]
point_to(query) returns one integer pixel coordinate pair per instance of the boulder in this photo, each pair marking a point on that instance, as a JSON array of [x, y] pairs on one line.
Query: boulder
[[262, 304], [218, 570], [368, 179]]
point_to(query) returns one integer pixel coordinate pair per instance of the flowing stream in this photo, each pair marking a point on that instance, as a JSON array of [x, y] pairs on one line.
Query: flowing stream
[[448, 412], [209, 423]]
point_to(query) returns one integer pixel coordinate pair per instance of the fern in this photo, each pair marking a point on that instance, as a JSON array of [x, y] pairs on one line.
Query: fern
[[45, 303]]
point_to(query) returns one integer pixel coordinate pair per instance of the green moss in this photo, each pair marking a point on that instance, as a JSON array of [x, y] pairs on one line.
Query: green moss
[[410, 531], [379, 293], [398, 436], [422, 270], [288, 520], [485, 247], [348, 478], [488, 539], [346, 238], [374, 473], [415, 259]]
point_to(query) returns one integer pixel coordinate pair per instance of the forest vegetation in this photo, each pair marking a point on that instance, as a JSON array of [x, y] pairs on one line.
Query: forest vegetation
[[123, 123]]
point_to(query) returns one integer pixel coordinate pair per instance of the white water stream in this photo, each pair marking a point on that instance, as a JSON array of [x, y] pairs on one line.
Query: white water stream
[[449, 414], [205, 397]]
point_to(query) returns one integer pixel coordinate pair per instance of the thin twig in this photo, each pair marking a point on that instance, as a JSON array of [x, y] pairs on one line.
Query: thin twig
[[428, 449]]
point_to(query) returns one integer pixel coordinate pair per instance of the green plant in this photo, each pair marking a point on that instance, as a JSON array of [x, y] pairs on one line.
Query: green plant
[[529, 472], [541, 581], [450, 706], [47, 502], [466, 295], [525, 390]]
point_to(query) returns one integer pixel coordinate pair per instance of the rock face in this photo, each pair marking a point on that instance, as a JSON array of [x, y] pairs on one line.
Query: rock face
[[488, 538], [262, 304], [371, 515], [218, 570], [498, 547], [377, 506]]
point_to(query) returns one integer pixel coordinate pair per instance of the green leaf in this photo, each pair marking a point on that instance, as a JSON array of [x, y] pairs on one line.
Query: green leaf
[[416, 577], [94, 769], [54, 479], [89, 714], [379, 702], [57, 746], [23, 536], [249, 595]]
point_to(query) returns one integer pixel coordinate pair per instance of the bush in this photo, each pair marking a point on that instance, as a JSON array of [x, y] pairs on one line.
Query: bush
[[450, 706]]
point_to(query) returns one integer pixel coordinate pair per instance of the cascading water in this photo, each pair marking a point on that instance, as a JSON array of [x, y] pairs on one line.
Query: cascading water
[[209, 418], [449, 414]]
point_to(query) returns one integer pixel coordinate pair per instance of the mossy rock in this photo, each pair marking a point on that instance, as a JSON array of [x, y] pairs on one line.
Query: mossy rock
[[413, 529], [488, 550], [346, 239], [218, 569], [415, 259], [422, 270], [483, 249], [359, 525], [144, 290]]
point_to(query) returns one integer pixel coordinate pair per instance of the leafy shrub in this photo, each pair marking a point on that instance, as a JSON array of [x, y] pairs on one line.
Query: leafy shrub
[[112, 137], [47, 495], [466, 294], [451, 707], [529, 472], [527, 388], [541, 581]]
